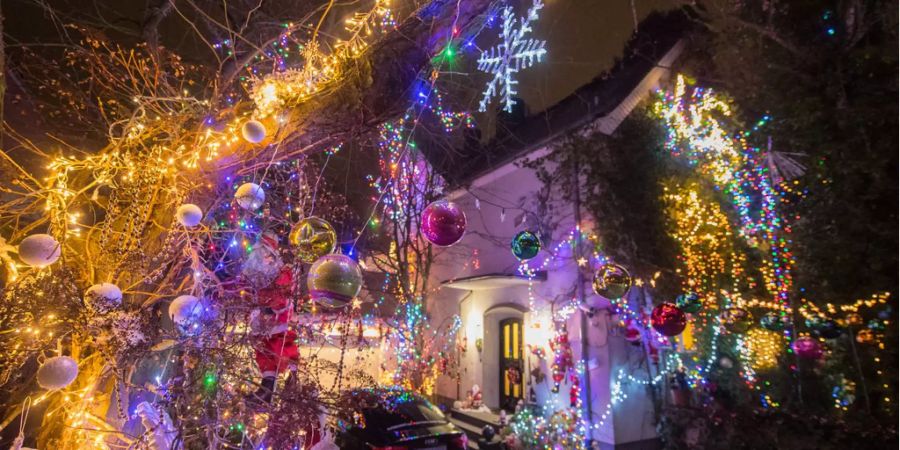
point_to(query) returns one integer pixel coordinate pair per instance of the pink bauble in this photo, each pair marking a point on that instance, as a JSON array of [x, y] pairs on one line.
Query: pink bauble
[[807, 348], [443, 223]]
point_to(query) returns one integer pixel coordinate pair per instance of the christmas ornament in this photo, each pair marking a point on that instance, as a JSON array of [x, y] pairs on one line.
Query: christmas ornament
[[250, 196], [263, 262], [253, 131], [525, 245], [668, 320], [103, 298], [313, 237], [334, 280], [443, 223], [876, 325], [186, 311], [865, 336], [737, 320], [514, 53], [807, 348], [612, 281], [189, 215], [564, 358], [726, 362], [39, 250], [812, 322], [57, 372], [828, 329], [773, 322], [689, 302]]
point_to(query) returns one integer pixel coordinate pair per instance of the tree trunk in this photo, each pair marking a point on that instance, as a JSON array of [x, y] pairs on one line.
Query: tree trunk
[[377, 84]]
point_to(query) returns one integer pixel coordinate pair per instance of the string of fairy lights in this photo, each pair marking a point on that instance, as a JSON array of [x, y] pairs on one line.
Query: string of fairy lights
[[121, 169], [696, 132], [695, 120]]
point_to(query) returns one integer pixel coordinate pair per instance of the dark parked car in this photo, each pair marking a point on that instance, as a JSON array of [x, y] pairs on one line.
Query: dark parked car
[[394, 419]]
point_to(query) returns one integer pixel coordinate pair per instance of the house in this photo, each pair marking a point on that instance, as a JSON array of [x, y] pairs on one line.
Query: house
[[510, 315]]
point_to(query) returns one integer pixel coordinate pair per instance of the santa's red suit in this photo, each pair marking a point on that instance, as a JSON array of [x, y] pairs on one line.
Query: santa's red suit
[[277, 348]]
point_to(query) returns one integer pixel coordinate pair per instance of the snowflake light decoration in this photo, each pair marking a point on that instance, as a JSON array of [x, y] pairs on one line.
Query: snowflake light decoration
[[511, 55]]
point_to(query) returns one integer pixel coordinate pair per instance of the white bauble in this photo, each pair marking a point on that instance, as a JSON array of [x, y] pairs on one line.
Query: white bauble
[[189, 215], [186, 310], [250, 196], [57, 372], [726, 362], [253, 131], [39, 250], [103, 297]]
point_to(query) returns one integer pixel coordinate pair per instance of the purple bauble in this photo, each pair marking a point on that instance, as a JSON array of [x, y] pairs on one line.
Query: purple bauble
[[443, 223], [807, 348]]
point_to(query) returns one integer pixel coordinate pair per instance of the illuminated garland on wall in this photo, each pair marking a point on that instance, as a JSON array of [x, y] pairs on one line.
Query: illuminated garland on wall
[[700, 130], [697, 131], [694, 119]]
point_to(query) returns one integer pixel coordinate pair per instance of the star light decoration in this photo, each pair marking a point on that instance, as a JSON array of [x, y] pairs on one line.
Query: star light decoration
[[513, 54]]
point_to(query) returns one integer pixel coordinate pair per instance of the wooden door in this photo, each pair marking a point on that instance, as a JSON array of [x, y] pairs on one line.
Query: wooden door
[[512, 364]]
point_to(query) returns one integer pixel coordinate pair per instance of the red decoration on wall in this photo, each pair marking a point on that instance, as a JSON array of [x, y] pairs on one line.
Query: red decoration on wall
[[563, 359]]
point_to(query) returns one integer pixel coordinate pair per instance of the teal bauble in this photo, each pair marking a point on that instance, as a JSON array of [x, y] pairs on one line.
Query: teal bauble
[[773, 322], [876, 325], [689, 302], [525, 245], [736, 320]]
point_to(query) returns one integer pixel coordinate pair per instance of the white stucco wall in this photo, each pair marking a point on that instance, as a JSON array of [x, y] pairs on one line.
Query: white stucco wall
[[485, 250]]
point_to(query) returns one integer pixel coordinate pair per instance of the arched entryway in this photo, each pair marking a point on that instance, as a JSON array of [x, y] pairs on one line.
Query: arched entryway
[[504, 359]]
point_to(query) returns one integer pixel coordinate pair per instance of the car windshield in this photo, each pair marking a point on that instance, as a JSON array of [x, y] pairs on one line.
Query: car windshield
[[402, 413]]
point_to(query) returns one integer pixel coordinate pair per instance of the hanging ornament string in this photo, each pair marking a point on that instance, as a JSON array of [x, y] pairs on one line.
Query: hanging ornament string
[[19, 441]]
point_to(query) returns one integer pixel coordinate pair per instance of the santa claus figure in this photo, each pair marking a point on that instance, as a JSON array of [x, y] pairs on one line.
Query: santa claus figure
[[276, 346], [276, 349]]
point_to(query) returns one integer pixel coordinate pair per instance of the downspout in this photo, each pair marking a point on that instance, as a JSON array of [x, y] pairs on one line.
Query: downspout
[[588, 412]]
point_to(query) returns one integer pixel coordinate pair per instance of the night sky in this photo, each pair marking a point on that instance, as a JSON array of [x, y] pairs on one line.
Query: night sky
[[583, 36]]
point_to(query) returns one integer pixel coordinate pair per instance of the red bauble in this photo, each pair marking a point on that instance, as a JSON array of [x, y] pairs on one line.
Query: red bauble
[[558, 374], [807, 348], [668, 319]]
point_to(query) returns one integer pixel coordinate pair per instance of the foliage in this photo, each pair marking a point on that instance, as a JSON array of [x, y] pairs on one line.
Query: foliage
[[748, 428], [823, 71], [131, 132], [620, 185]]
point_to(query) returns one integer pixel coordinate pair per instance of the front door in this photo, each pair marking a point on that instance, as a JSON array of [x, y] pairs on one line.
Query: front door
[[512, 365]]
